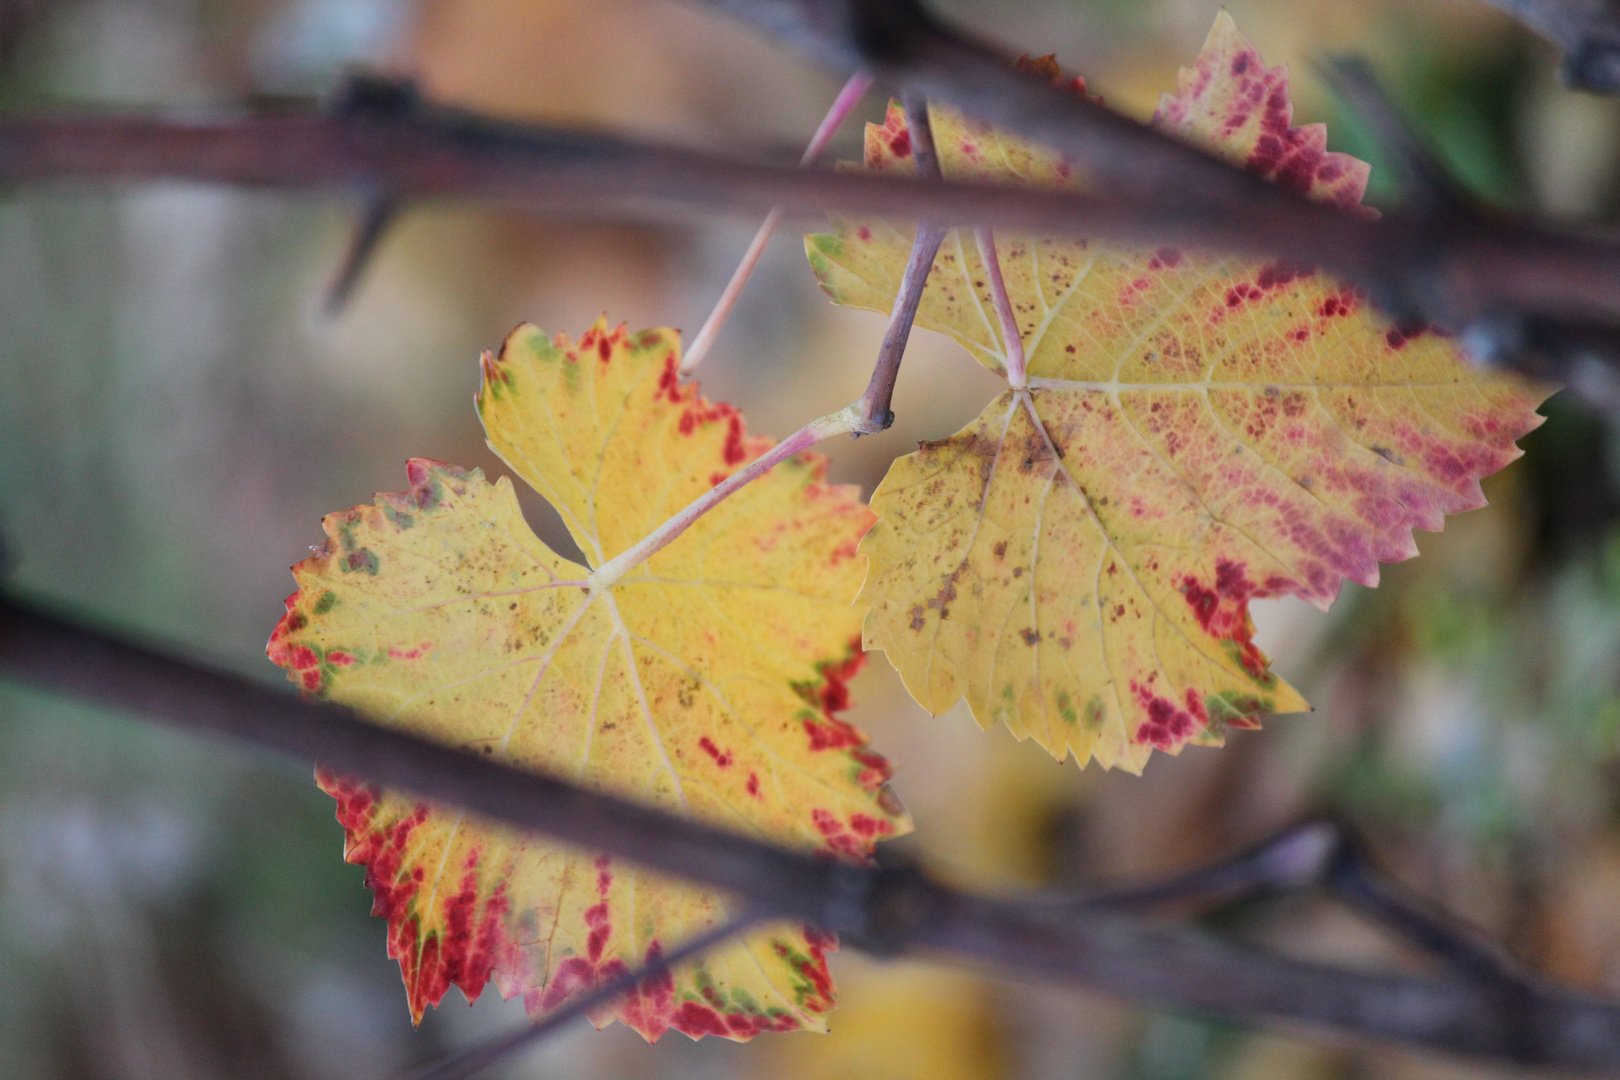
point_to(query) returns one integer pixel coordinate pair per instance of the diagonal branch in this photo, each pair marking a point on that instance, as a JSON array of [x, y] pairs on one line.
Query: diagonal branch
[[469, 1063], [877, 908], [1323, 855]]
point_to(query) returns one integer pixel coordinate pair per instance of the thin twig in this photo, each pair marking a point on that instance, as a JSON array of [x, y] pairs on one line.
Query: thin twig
[[884, 907], [1350, 877], [1011, 336], [1322, 855], [842, 106], [376, 214], [471, 1062], [873, 410], [868, 414], [1298, 857]]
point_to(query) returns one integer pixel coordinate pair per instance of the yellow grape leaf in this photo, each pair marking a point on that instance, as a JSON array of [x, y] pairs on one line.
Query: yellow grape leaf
[[705, 681], [1197, 431]]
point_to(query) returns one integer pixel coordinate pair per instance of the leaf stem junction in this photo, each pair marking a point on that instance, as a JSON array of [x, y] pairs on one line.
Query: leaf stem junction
[[843, 422]]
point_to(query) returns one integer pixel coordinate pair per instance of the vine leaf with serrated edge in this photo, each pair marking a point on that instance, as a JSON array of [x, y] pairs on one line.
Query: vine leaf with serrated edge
[[1196, 431], [705, 681]]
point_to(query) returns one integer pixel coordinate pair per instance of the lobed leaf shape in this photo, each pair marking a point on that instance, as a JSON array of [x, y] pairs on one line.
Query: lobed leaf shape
[[705, 681], [1197, 431]]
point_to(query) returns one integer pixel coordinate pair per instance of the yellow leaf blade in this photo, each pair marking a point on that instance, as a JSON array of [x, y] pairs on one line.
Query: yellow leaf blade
[[705, 682], [1197, 432]]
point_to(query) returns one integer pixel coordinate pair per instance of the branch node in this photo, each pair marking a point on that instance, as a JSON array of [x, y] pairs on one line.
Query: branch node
[[374, 96], [878, 909], [872, 425]]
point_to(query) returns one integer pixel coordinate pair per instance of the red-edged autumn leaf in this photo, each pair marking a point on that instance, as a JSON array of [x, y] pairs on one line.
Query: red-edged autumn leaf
[[1197, 431], [705, 681]]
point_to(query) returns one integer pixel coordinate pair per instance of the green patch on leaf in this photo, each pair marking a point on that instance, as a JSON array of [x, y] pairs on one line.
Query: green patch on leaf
[[1096, 713], [1262, 678], [1229, 705]]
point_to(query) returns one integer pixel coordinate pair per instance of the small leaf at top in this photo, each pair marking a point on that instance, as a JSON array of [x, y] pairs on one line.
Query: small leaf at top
[[705, 681], [1198, 431]]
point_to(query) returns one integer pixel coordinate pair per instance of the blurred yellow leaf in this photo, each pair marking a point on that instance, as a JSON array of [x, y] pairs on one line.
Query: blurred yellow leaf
[[903, 1021]]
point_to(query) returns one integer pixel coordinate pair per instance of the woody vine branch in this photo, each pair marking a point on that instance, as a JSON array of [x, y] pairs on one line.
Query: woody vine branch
[[1530, 295], [885, 909]]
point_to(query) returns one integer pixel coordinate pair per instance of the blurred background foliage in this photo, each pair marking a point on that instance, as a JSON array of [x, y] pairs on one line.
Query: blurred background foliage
[[175, 417]]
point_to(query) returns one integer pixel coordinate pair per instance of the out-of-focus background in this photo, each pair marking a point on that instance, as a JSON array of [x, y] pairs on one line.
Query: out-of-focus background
[[176, 416]]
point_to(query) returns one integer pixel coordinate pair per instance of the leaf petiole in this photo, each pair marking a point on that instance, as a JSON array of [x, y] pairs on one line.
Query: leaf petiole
[[875, 415], [842, 106], [1013, 340], [867, 415]]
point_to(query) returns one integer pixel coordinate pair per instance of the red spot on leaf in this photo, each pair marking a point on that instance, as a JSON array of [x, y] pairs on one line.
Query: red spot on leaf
[[1164, 259], [697, 1020], [1168, 725], [596, 919], [1223, 609], [722, 758], [1231, 582], [1342, 304], [410, 654], [1398, 336], [733, 451], [1277, 274], [669, 381], [814, 969], [1203, 601], [841, 841], [869, 826], [1241, 293]]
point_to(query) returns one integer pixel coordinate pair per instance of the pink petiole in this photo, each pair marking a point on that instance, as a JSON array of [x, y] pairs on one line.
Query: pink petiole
[[1013, 340], [842, 106]]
